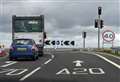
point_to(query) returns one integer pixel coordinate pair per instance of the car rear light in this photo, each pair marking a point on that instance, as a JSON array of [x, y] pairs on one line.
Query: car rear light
[[11, 48], [34, 48], [0, 51]]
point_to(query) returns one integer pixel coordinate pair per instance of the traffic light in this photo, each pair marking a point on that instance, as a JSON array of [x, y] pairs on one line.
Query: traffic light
[[96, 23], [84, 34], [101, 24], [99, 10]]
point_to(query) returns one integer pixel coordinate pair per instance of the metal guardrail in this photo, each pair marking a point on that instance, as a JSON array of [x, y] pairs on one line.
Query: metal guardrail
[[116, 50]]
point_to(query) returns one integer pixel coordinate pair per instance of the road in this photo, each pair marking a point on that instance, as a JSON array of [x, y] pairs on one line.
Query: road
[[62, 66]]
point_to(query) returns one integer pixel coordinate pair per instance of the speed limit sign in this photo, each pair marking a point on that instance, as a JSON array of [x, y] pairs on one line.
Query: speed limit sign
[[108, 35]]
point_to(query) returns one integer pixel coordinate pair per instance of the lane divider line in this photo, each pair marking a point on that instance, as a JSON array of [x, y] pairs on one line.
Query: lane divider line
[[35, 70], [48, 61], [29, 74], [109, 61], [113, 56]]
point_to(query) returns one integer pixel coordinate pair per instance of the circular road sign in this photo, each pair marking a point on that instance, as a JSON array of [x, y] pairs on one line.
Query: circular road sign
[[108, 35]]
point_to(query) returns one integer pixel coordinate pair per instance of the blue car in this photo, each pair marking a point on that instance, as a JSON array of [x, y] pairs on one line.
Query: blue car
[[23, 48]]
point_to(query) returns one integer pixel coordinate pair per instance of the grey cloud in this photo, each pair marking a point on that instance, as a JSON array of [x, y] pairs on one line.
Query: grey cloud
[[63, 16]]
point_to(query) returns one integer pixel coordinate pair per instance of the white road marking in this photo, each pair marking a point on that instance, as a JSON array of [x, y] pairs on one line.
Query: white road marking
[[113, 56], [63, 71], [14, 72], [53, 56], [78, 63], [48, 61], [29, 74], [109, 61], [8, 63]]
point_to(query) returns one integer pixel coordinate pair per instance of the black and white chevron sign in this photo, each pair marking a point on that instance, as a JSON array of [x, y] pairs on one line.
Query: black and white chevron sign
[[60, 42]]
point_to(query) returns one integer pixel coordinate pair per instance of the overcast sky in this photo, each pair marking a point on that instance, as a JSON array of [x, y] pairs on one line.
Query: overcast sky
[[64, 19]]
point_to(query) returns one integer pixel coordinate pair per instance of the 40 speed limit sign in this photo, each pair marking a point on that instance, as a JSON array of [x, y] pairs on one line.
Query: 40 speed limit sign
[[108, 36]]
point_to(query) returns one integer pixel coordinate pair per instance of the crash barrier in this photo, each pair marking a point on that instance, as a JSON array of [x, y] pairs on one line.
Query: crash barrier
[[116, 50], [62, 49], [112, 50]]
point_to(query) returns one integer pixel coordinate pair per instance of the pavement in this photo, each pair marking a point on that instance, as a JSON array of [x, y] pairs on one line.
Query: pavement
[[62, 66]]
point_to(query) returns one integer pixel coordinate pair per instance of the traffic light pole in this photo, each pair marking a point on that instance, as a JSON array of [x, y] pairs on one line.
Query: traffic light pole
[[99, 24], [99, 32], [84, 43]]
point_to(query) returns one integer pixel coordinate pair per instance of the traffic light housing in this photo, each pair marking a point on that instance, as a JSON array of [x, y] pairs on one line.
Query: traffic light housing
[[96, 23], [99, 10], [84, 35], [101, 24]]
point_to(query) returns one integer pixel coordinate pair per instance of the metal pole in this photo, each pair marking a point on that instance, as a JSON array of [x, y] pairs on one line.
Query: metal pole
[[84, 43], [98, 31]]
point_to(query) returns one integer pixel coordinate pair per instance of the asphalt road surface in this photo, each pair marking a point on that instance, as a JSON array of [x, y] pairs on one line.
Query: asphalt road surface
[[62, 66]]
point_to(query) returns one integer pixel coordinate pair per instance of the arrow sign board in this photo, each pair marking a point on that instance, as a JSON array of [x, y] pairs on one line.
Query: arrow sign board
[[60, 42], [78, 63]]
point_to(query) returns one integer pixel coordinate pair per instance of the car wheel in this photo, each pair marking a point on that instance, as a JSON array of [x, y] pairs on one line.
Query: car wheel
[[37, 57], [34, 58], [10, 58], [41, 53]]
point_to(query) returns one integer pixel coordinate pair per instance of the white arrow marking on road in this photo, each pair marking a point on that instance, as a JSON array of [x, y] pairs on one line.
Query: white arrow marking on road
[[78, 63]]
